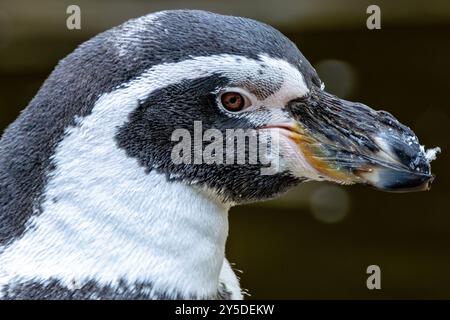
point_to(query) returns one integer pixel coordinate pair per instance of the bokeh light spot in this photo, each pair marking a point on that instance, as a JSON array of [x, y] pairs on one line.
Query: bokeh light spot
[[330, 204]]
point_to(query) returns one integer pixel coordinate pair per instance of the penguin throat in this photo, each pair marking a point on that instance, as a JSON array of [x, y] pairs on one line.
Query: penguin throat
[[128, 226], [103, 218]]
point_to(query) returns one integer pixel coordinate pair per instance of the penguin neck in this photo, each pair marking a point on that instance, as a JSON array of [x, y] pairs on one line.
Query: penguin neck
[[137, 228], [103, 218]]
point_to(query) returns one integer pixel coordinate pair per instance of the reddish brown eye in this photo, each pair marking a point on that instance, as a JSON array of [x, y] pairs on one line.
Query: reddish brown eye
[[233, 101]]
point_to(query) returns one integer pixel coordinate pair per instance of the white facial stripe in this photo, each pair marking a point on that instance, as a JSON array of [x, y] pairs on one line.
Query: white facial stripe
[[293, 85], [238, 69], [126, 37]]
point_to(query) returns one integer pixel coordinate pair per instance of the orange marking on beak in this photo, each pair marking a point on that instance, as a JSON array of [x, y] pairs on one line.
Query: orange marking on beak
[[307, 144]]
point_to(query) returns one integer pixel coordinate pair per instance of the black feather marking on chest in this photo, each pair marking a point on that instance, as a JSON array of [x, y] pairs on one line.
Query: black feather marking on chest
[[53, 289]]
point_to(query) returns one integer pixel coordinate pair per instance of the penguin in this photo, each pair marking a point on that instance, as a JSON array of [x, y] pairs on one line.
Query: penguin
[[93, 204]]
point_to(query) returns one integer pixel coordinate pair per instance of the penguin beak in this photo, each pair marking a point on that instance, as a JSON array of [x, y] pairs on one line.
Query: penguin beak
[[349, 142]]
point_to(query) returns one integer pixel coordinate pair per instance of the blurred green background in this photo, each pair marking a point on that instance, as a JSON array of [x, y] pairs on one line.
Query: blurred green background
[[317, 241]]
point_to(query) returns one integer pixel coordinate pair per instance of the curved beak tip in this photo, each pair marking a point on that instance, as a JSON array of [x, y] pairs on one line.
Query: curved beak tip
[[395, 177], [407, 183]]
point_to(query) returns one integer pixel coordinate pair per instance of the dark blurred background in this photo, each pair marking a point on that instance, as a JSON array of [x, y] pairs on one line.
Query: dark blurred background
[[317, 241]]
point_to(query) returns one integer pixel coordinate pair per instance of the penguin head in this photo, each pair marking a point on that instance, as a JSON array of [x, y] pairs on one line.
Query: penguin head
[[197, 83]]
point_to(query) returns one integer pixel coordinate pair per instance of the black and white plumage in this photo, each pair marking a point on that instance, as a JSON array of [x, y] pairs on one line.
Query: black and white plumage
[[92, 207]]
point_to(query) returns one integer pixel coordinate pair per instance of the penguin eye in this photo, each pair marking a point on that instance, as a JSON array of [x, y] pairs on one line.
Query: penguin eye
[[233, 101]]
